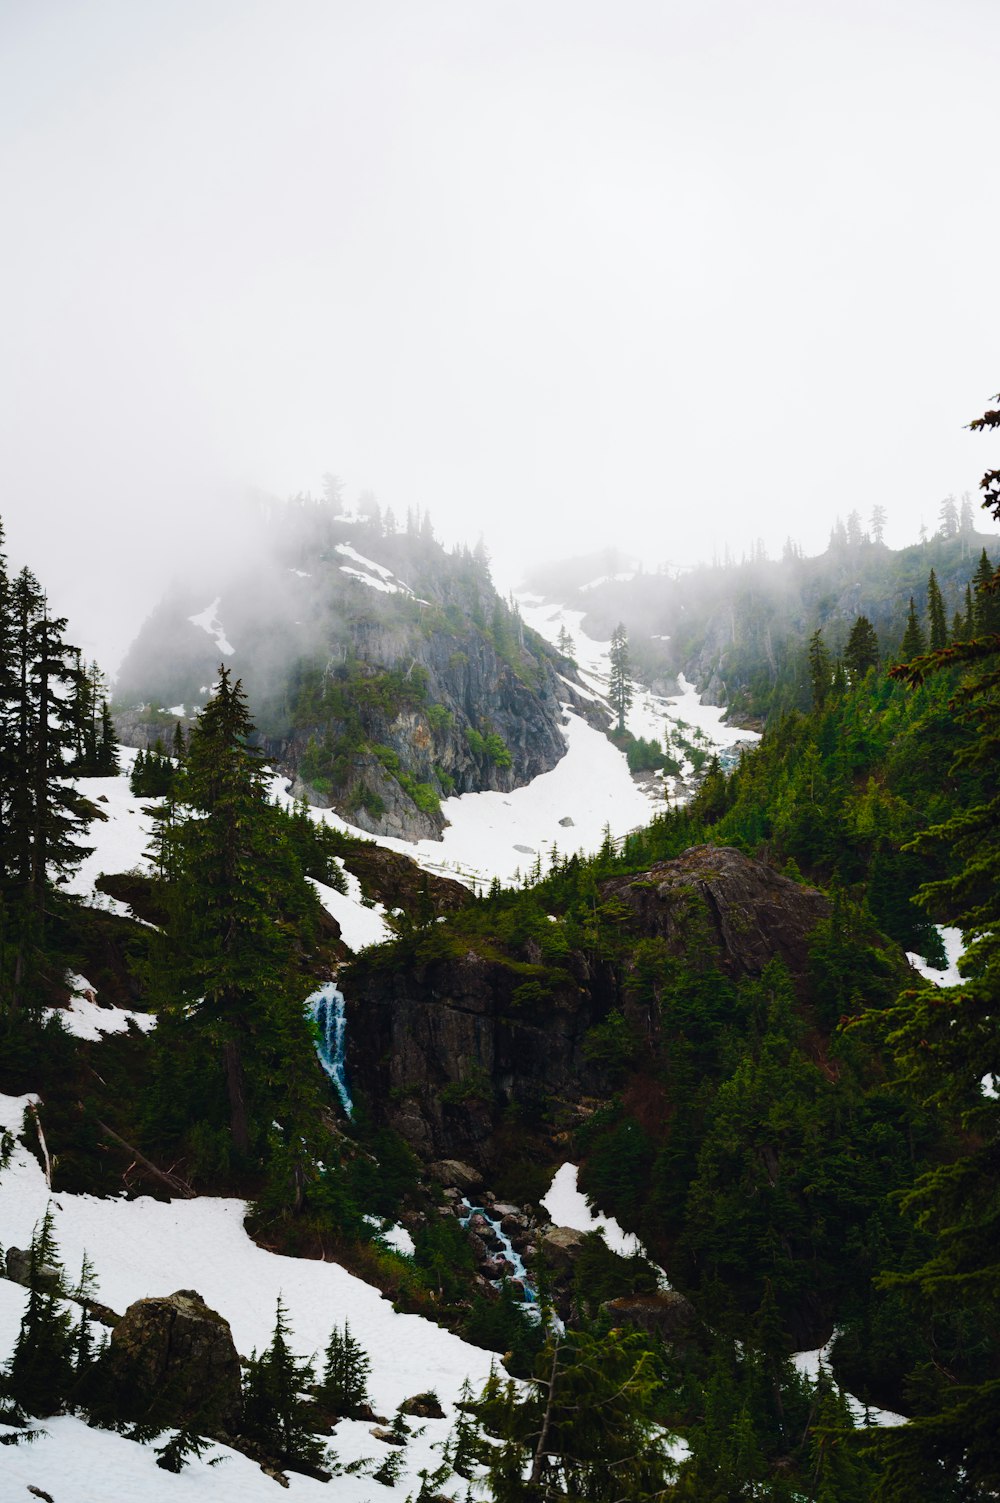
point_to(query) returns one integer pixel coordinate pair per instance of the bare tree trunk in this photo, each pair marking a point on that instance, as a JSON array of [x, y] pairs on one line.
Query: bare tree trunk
[[235, 1084], [543, 1435]]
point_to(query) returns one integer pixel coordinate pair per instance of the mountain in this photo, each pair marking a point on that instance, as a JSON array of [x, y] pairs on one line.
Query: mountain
[[739, 631], [383, 672]]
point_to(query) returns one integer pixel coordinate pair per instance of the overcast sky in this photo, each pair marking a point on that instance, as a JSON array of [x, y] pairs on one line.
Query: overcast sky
[[564, 272]]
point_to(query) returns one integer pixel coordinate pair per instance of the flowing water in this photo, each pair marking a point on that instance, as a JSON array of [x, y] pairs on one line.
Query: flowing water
[[326, 1008]]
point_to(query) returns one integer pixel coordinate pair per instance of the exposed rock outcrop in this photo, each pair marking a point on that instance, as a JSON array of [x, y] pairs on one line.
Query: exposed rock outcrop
[[715, 906], [172, 1359], [444, 1047]]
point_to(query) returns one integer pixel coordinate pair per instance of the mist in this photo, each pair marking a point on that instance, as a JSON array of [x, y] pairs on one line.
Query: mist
[[673, 277]]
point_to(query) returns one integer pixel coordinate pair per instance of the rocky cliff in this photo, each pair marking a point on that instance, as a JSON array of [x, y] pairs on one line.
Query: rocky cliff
[[383, 673], [446, 1046]]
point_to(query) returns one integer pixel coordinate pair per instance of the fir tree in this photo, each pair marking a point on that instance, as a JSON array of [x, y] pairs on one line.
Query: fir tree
[[40, 1372], [275, 1414], [914, 642], [938, 631], [585, 1427], [344, 1387], [945, 1043], [819, 670], [620, 679], [862, 650], [239, 907]]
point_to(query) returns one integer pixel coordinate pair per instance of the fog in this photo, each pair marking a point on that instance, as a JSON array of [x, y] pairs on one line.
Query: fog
[[672, 275]]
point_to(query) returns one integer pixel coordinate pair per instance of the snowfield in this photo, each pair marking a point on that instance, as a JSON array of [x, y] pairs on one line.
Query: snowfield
[[147, 1247]]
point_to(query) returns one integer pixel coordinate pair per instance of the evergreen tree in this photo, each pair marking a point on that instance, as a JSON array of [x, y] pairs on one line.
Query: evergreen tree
[[344, 1387], [233, 1008], [879, 517], [584, 1428], [275, 1413], [945, 1043], [914, 642], [862, 650], [620, 679], [40, 1372], [935, 617], [819, 670], [986, 601], [948, 516]]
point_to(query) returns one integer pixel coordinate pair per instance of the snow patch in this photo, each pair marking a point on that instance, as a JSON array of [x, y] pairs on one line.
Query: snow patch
[[810, 1364], [208, 620], [568, 1206], [953, 949]]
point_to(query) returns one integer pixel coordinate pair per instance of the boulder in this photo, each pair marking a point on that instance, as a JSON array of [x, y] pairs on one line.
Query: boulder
[[172, 1359], [666, 1313], [423, 1406], [19, 1271], [562, 1245], [455, 1175]]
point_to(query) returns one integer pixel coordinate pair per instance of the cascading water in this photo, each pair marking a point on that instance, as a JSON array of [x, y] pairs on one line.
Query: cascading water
[[529, 1304], [326, 1008]]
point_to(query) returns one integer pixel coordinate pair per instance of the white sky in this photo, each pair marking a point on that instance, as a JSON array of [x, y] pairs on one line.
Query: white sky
[[663, 274]]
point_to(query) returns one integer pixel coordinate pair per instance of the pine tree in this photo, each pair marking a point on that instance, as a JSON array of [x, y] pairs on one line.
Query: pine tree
[[275, 1414], [914, 642], [819, 670], [344, 1387], [239, 908], [40, 1372], [862, 650], [935, 617], [879, 518], [620, 678]]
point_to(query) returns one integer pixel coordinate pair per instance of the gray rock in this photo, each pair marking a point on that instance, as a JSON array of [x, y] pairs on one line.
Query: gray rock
[[174, 1359], [562, 1246], [453, 1174]]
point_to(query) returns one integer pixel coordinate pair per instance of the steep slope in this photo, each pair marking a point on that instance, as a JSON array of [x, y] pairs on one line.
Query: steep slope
[[739, 631], [383, 672]]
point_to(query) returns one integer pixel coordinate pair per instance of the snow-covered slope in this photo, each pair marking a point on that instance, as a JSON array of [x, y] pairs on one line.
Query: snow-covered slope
[[148, 1247]]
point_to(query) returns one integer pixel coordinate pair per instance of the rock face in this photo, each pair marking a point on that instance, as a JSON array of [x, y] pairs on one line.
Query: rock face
[[441, 1049], [174, 1358], [383, 673], [715, 906]]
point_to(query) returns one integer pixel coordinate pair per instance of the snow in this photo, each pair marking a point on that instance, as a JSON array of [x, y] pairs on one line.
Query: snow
[[809, 1365], [568, 1206], [376, 584], [177, 710], [146, 1247], [653, 717], [953, 949], [366, 563], [592, 584], [399, 1239], [119, 841], [208, 620], [86, 1019], [360, 925], [384, 579]]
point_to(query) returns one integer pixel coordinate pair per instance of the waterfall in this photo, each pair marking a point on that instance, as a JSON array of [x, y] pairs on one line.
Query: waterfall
[[326, 1008]]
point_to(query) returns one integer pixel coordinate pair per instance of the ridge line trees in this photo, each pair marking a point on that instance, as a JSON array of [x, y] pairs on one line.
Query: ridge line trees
[[945, 1044]]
